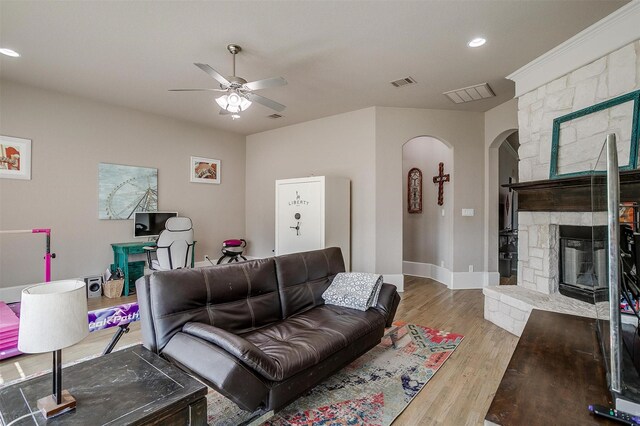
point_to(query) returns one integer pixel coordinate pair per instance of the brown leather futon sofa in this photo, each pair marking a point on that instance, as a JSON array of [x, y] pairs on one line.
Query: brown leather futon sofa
[[259, 331]]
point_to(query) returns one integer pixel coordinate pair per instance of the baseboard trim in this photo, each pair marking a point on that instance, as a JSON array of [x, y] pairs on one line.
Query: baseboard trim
[[492, 279], [453, 280], [467, 280], [427, 270]]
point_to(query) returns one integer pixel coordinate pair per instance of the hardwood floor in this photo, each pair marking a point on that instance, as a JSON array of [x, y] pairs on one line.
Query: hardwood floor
[[459, 394], [461, 391]]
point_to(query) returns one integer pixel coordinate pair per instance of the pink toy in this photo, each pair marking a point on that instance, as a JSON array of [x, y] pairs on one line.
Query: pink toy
[[48, 256], [9, 321], [9, 324], [232, 249]]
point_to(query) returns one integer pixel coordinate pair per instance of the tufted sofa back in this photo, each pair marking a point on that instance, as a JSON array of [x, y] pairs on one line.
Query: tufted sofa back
[[303, 277], [237, 297]]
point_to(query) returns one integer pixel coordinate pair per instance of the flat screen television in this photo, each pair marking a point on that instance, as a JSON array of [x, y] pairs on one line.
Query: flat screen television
[[616, 306], [150, 224]]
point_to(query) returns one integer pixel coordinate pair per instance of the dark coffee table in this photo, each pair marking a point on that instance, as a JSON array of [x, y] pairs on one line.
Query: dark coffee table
[[133, 386]]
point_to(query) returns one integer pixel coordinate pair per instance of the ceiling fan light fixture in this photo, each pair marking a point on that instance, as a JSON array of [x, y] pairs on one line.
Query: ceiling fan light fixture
[[233, 99], [238, 93], [233, 102], [244, 103]]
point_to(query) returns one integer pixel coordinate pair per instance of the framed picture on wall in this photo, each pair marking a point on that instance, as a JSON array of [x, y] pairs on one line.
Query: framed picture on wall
[[414, 191], [15, 158], [124, 190], [578, 137], [205, 170]]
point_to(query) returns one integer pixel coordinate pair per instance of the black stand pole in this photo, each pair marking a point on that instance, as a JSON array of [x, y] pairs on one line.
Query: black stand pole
[[57, 376], [122, 329]]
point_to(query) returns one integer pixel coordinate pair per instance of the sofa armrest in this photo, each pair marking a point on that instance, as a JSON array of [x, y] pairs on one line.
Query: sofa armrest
[[388, 301], [237, 346], [144, 305]]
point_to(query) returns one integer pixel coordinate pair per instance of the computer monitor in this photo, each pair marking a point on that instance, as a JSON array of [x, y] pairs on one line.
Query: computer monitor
[[150, 224]]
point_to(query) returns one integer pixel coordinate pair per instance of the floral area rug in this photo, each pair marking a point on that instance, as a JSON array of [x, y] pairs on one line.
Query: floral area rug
[[372, 390]]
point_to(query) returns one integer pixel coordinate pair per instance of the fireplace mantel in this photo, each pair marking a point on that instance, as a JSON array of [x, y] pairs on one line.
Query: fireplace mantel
[[570, 194]]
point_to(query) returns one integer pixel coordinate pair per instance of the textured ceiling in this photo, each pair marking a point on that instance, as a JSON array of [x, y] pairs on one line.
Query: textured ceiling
[[336, 56]]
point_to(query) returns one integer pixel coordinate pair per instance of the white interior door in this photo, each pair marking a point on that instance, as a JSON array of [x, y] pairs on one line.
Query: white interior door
[[300, 217]]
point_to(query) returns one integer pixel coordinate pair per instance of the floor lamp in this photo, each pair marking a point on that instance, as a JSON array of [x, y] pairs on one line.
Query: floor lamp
[[53, 316]]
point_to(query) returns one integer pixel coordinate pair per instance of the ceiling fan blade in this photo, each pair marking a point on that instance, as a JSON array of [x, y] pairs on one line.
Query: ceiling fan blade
[[224, 112], [265, 101], [263, 84], [197, 90], [213, 73]]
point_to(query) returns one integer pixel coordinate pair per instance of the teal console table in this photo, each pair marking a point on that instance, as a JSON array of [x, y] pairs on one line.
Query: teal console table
[[121, 252]]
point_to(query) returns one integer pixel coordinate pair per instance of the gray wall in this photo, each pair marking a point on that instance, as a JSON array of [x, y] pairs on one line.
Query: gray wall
[[428, 236], [340, 145], [464, 132], [499, 123], [366, 146], [70, 136]]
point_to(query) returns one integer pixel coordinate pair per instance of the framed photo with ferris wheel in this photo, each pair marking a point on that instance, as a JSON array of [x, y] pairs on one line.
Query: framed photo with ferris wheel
[[15, 158], [124, 190]]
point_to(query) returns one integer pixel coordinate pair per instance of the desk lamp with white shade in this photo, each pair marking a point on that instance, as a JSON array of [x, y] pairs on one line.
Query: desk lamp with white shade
[[53, 316]]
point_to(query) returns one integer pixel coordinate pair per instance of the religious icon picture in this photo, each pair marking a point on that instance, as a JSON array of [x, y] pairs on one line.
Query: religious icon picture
[[205, 170], [414, 191]]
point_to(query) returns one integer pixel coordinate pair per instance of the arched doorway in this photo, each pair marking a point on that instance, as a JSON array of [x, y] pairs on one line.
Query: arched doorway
[[501, 222], [427, 243], [507, 210]]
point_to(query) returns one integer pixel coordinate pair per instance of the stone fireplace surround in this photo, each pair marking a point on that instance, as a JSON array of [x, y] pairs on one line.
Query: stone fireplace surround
[[599, 64], [538, 272]]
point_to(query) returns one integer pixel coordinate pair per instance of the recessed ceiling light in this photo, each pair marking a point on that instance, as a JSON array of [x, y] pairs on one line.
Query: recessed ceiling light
[[477, 42], [9, 52]]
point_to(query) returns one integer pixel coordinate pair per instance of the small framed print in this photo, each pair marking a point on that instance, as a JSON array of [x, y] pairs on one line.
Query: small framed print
[[15, 158], [205, 170]]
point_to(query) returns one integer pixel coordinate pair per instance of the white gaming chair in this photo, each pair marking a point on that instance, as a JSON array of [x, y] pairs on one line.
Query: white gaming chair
[[174, 248]]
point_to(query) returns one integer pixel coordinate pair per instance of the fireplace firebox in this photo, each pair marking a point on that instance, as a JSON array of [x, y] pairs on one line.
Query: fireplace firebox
[[582, 261]]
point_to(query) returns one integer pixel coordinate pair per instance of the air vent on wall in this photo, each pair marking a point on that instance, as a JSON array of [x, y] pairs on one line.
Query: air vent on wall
[[274, 116], [403, 82], [469, 94]]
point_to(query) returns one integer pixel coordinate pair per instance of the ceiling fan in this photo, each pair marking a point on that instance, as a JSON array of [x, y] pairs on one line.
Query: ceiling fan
[[238, 92]]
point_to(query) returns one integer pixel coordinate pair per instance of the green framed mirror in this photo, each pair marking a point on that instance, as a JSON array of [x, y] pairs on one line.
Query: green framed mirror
[[578, 136]]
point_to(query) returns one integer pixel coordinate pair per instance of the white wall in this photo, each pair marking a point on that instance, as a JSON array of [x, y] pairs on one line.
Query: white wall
[[427, 236], [340, 145], [70, 137]]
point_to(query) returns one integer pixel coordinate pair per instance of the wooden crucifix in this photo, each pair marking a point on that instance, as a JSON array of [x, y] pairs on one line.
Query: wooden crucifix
[[440, 180]]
